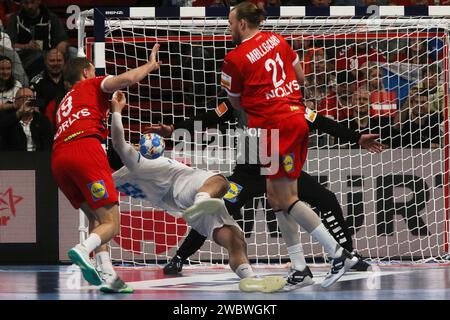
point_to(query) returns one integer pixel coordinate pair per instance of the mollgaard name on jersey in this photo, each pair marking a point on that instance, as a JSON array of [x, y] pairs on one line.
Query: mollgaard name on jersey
[[283, 91], [73, 117], [262, 50]]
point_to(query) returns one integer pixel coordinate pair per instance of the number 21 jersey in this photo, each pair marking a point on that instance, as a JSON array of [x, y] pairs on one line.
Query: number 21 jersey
[[260, 71]]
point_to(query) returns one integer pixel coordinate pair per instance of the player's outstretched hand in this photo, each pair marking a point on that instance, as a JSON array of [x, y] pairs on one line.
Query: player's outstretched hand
[[118, 101], [369, 142], [153, 61], [163, 130]]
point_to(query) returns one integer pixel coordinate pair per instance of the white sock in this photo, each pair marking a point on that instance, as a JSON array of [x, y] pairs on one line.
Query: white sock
[[245, 271], [104, 262], [297, 257], [199, 197], [92, 242], [330, 245]]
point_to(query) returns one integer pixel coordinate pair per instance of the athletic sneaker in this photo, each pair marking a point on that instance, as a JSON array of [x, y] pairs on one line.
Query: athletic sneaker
[[80, 256], [115, 285], [339, 266], [265, 284], [361, 265], [174, 266], [202, 208], [299, 279]]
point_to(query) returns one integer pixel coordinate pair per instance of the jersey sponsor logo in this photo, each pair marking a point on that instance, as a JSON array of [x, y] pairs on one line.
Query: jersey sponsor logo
[[73, 135], [288, 162], [72, 118], [263, 49], [310, 115], [295, 108], [283, 91], [226, 81], [233, 192], [221, 109], [98, 190]]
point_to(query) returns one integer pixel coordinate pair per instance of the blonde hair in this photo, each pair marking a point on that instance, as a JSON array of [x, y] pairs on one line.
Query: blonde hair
[[250, 13]]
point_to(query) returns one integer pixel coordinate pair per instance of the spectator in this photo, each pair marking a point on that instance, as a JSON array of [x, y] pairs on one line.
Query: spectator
[[436, 88], [8, 84], [421, 3], [367, 3], [273, 3], [49, 83], [7, 50], [321, 3], [149, 3], [337, 104], [33, 29], [361, 121], [294, 2], [218, 3], [259, 3], [355, 58], [205, 3], [361, 3], [415, 52], [7, 7], [416, 127], [24, 129], [374, 79], [317, 78]]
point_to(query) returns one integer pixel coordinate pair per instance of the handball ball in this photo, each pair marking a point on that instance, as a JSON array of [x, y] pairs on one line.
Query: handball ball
[[151, 145]]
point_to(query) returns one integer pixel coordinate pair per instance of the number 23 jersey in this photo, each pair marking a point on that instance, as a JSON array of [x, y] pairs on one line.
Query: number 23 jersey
[[260, 71]]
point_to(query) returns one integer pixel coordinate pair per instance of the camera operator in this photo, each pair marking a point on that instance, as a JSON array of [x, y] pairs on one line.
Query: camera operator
[[23, 128]]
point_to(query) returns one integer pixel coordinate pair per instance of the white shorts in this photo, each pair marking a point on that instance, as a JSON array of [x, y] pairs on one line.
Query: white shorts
[[186, 187], [207, 224], [183, 194]]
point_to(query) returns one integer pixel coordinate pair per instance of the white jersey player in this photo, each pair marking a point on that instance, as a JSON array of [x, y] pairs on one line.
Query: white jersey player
[[175, 187]]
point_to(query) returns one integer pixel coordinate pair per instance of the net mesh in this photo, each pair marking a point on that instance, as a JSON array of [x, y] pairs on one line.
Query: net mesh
[[387, 76]]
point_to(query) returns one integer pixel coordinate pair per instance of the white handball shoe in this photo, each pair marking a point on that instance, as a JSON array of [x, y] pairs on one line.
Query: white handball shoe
[[80, 256], [264, 284]]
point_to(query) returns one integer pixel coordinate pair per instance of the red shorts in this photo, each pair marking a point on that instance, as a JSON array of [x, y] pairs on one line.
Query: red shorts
[[290, 149], [82, 172]]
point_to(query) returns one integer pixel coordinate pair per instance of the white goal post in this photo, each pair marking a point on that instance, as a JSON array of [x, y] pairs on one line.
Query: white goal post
[[396, 203]]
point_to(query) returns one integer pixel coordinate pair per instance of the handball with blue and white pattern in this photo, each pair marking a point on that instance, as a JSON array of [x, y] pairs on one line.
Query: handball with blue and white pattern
[[151, 146]]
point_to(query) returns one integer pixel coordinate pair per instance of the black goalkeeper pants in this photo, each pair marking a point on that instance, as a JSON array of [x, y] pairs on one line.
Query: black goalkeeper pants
[[248, 183]]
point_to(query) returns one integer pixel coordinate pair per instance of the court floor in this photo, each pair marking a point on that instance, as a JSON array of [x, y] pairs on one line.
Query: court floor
[[419, 282]]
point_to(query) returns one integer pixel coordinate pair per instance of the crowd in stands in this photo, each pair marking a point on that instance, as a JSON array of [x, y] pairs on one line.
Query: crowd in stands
[[271, 3], [347, 80], [394, 87]]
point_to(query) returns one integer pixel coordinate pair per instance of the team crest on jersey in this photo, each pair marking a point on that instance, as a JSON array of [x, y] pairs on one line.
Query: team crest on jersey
[[221, 109], [98, 190], [310, 115], [225, 81], [288, 162], [233, 192]]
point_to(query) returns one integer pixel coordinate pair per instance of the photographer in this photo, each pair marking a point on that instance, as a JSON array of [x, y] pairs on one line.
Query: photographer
[[23, 128]]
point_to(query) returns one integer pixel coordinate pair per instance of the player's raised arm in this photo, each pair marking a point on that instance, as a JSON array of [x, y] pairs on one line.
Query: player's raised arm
[[126, 152], [133, 76], [335, 129], [222, 113]]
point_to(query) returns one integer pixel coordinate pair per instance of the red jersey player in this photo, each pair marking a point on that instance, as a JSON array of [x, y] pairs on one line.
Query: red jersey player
[[80, 166], [262, 75]]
